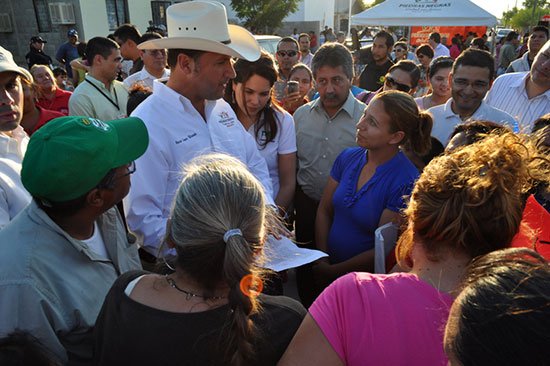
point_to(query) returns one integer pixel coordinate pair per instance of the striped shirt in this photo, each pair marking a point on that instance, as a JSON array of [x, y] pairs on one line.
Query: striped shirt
[[508, 93]]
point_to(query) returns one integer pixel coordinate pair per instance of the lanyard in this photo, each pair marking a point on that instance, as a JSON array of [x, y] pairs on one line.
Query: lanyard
[[102, 93]]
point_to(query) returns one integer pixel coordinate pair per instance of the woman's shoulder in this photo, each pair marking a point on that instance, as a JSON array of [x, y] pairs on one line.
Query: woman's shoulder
[[351, 154], [282, 304]]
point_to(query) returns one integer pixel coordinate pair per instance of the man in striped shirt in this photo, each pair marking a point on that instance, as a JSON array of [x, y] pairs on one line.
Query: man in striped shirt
[[524, 95]]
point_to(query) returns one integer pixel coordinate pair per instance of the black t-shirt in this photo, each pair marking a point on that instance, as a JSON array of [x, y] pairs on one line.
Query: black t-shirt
[[371, 77], [36, 57], [130, 333]]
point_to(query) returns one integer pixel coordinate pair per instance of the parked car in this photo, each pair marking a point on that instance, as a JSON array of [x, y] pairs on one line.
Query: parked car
[[501, 33], [268, 43]]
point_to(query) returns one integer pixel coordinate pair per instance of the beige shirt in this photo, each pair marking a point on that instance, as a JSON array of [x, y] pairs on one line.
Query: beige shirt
[[88, 101], [320, 139]]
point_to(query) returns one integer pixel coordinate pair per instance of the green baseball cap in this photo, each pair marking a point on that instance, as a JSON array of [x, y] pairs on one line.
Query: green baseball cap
[[69, 156]]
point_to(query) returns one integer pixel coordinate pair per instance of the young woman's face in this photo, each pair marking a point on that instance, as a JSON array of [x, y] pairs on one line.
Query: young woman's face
[[302, 77], [253, 95], [440, 83], [373, 129], [424, 60]]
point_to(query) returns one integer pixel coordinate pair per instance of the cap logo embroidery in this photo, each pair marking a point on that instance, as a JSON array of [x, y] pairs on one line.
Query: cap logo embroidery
[[100, 124]]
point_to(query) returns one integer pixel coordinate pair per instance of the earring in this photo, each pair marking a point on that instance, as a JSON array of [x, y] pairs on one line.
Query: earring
[[168, 264]]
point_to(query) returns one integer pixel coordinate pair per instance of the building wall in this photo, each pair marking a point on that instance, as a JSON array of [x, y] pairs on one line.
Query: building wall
[[320, 10], [140, 13], [94, 19], [25, 26]]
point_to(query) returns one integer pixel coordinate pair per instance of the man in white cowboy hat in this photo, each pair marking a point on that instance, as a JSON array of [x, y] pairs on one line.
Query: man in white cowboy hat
[[186, 116]]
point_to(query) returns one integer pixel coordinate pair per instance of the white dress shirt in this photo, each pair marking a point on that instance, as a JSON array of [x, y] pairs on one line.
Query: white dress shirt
[[508, 93], [441, 50], [13, 196], [445, 120], [145, 77], [177, 134]]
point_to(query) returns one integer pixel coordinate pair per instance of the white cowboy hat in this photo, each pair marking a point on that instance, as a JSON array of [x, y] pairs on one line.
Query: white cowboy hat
[[202, 25]]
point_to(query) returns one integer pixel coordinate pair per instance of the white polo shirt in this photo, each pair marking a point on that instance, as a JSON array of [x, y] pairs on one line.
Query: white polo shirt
[[177, 134], [445, 120], [441, 50], [508, 94], [145, 77]]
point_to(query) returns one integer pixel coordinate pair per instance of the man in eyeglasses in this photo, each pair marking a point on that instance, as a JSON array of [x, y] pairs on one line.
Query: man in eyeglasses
[[154, 65], [61, 254], [288, 54], [470, 79]]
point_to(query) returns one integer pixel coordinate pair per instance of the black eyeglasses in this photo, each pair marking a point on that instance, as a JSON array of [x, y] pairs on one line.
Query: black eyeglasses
[[290, 53], [394, 84], [130, 169]]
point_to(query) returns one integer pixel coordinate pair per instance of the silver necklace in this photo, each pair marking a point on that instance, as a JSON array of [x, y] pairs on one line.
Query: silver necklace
[[189, 294]]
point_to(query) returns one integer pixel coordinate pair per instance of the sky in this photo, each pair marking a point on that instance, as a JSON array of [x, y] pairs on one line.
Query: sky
[[497, 7]]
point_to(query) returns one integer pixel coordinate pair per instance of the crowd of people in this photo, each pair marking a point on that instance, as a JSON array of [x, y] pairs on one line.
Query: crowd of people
[[135, 209]]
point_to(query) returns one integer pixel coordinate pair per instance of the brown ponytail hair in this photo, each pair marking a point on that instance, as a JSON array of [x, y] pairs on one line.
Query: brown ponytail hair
[[405, 116], [218, 194], [470, 200]]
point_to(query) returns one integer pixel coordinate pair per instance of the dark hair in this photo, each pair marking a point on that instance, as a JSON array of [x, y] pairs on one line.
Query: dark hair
[[300, 66], [23, 349], [149, 36], [405, 116], [540, 28], [59, 71], [477, 130], [541, 123], [173, 54], [436, 37], [402, 45], [126, 32], [477, 58], [264, 67], [288, 40], [438, 63], [425, 49], [410, 68], [137, 94], [510, 36], [502, 315], [455, 41], [333, 54], [303, 35], [387, 36], [81, 49], [70, 207], [99, 46], [436, 149]]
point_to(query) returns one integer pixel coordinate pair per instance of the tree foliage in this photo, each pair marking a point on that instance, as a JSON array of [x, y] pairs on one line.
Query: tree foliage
[[264, 13], [521, 19]]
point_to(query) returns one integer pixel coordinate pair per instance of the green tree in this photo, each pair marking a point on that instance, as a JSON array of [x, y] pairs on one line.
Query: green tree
[[264, 13], [522, 19]]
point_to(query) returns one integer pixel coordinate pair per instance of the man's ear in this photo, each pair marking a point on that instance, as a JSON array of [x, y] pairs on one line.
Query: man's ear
[[186, 63], [94, 198], [141, 53]]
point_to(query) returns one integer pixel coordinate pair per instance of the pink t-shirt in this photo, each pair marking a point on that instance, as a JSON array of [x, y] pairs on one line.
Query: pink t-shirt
[[395, 319]]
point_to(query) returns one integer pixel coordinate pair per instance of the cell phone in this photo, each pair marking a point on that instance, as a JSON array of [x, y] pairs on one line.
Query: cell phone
[[292, 87]]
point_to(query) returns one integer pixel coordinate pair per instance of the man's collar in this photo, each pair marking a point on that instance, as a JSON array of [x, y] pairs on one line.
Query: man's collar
[[448, 110]]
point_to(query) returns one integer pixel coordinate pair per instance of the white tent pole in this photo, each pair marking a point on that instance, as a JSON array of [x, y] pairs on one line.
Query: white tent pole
[[349, 19]]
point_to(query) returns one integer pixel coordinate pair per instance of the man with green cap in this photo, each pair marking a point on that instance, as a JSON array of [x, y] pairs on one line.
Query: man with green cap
[[62, 253]]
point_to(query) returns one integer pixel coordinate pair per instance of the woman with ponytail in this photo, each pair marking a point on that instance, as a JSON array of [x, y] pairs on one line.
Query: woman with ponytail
[[250, 95], [208, 312], [467, 203], [368, 183]]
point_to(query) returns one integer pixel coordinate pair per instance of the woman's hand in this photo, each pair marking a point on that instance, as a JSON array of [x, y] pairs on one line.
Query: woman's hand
[[292, 101]]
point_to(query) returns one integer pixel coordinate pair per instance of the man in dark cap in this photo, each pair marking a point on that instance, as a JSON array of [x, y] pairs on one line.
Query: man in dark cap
[[36, 55]]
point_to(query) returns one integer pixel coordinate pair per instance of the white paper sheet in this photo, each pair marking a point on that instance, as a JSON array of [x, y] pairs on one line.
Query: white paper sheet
[[284, 254]]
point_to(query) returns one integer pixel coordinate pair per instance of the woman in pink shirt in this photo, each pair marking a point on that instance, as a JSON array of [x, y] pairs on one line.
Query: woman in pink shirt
[[466, 203]]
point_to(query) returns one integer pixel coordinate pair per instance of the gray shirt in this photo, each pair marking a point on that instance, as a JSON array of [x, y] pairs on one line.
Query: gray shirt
[[320, 139], [53, 285]]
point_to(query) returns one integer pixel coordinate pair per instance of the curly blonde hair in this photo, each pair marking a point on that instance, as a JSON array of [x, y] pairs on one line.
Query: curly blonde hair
[[471, 199]]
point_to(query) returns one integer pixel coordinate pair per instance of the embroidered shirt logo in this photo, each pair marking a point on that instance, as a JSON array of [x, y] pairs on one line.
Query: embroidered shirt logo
[[226, 119]]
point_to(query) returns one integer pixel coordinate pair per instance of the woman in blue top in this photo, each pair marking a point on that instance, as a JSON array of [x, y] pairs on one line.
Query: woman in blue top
[[368, 183]]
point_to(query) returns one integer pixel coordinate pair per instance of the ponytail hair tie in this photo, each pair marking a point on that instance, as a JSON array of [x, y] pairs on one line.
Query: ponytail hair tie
[[230, 233]]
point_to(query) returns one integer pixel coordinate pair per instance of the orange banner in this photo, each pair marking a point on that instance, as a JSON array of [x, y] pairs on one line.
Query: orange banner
[[420, 35]]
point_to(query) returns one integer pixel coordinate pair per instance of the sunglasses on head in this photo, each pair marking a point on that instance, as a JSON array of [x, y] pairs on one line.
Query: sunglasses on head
[[290, 53], [401, 87]]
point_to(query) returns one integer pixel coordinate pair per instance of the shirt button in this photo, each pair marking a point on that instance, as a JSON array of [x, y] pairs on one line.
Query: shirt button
[[326, 138], [320, 173], [324, 156]]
